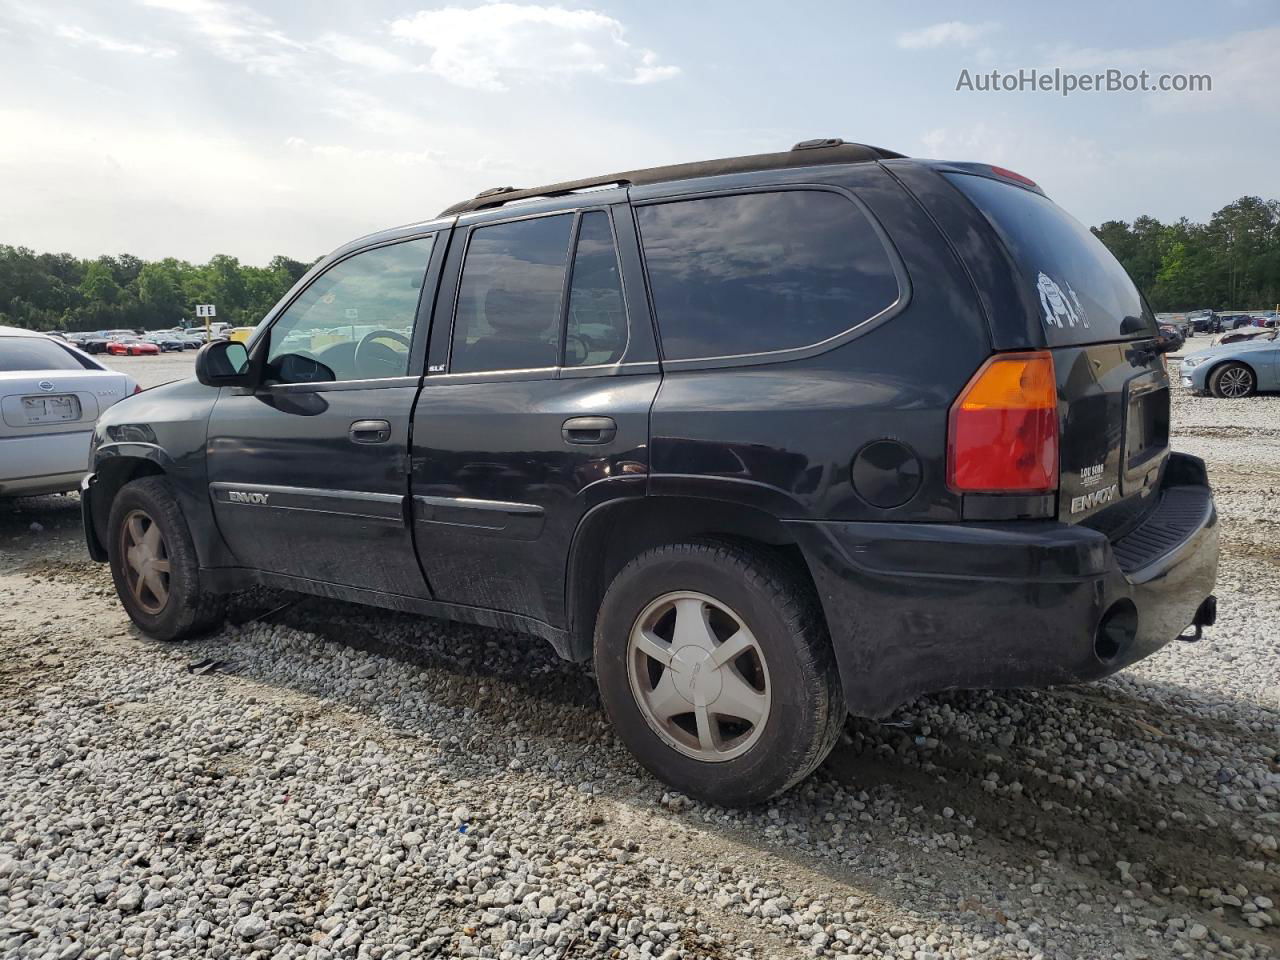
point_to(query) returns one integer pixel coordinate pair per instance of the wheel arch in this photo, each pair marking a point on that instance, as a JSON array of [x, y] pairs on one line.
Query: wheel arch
[[112, 472], [614, 532]]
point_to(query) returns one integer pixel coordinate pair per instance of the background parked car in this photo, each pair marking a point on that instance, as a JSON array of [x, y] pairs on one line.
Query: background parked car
[[131, 348], [92, 343], [51, 394], [1235, 370], [167, 342], [1171, 333], [1232, 321], [1205, 321], [1242, 333]]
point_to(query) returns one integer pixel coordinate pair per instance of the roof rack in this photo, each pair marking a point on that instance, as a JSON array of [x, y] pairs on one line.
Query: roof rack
[[804, 154]]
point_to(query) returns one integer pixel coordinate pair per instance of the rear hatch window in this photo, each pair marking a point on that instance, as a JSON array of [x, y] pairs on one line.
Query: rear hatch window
[[1113, 394], [1085, 295], [35, 353]]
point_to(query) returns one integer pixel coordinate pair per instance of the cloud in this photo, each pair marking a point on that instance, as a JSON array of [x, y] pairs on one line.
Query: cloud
[[236, 33], [952, 33], [83, 37], [400, 158], [650, 71], [358, 53], [94, 184], [1242, 67], [1003, 141], [492, 46]]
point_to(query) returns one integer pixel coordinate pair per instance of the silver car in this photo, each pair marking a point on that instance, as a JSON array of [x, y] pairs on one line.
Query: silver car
[[1234, 370], [50, 397]]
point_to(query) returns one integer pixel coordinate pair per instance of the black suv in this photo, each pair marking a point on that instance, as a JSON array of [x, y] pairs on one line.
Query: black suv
[[770, 439]]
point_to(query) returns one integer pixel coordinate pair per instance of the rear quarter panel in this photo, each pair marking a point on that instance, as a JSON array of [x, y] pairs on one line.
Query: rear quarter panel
[[783, 435]]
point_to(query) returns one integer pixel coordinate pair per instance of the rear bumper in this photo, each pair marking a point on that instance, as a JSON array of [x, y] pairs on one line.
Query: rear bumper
[[45, 463], [916, 608]]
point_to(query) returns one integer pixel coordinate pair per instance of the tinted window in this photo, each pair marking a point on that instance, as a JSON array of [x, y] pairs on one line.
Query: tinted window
[[596, 330], [508, 315], [356, 318], [1085, 296], [761, 271], [35, 353]]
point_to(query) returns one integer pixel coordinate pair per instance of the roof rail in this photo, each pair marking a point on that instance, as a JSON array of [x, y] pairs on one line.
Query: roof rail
[[804, 154]]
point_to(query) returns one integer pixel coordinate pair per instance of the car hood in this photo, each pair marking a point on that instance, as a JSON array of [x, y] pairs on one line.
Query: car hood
[[178, 399]]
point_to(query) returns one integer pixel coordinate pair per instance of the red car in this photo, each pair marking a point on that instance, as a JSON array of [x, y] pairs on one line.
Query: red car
[[131, 348]]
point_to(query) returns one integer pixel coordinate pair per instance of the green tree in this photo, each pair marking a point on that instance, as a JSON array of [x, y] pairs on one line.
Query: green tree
[[159, 288], [99, 285]]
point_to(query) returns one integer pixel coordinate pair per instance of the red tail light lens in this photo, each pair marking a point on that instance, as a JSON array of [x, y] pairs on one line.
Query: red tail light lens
[[1015, 177], [137, 388], [1003, 431]]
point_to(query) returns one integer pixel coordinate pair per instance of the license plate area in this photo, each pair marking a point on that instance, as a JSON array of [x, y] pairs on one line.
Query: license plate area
[[1146, 433], [59, 408]]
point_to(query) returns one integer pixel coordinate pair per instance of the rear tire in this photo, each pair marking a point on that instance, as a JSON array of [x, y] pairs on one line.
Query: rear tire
[[1232, 381], [755, 724], [154, 564]]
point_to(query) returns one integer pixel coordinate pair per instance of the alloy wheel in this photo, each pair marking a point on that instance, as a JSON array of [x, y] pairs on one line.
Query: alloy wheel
[[699, 676], [1235, 382], [146, 566]]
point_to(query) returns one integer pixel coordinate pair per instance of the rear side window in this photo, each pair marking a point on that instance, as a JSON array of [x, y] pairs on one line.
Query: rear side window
[[1085, 296], [596, 327], [508, 314], [759, 272], [35, 353]]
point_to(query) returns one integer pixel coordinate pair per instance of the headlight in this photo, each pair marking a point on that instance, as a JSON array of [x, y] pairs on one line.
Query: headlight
[[1189, 362]]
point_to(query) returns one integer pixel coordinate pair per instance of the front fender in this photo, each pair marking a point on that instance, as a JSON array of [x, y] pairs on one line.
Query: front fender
[[151, 451]]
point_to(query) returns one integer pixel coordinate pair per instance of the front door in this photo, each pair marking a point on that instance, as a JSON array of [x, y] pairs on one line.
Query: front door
[[308, 473], [540, 412]]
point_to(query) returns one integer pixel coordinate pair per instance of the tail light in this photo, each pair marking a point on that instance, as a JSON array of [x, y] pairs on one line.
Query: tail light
[[1015, 177], [137, 388], [1002, 434]]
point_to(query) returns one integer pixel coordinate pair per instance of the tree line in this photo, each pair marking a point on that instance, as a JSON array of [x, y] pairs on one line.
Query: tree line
[[56, 291], [1233, 261]]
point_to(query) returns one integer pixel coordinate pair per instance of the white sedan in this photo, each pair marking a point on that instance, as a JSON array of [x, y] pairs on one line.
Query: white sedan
[[50, 397]]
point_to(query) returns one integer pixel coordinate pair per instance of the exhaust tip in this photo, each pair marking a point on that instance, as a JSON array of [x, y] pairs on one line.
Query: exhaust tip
[[1116, 631]]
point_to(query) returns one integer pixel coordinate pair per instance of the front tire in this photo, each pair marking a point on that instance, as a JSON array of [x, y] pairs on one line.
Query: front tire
[[154, 564], [1232, 381], [715, 667]]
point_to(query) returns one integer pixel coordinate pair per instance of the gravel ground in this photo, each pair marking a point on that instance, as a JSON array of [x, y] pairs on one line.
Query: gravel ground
[[323, 780]]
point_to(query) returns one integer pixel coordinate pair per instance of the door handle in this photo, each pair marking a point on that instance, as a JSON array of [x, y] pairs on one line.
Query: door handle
[[370, 431], [589, 430]]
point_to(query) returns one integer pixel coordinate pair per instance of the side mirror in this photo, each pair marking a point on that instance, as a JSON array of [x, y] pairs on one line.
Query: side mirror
[[224, 363], [1168, 342]]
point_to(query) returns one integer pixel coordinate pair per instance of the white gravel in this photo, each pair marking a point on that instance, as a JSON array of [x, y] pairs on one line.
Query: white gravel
[[351, 783]]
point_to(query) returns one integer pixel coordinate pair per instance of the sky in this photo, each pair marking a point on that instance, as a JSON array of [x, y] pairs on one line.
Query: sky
[[192, 127]]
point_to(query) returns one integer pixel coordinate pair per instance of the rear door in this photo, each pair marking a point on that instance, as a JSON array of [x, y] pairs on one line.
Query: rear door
[[536, 402], [1113, 387]]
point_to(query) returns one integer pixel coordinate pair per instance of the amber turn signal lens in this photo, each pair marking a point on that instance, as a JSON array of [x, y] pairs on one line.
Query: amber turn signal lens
[[1003, 428]]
